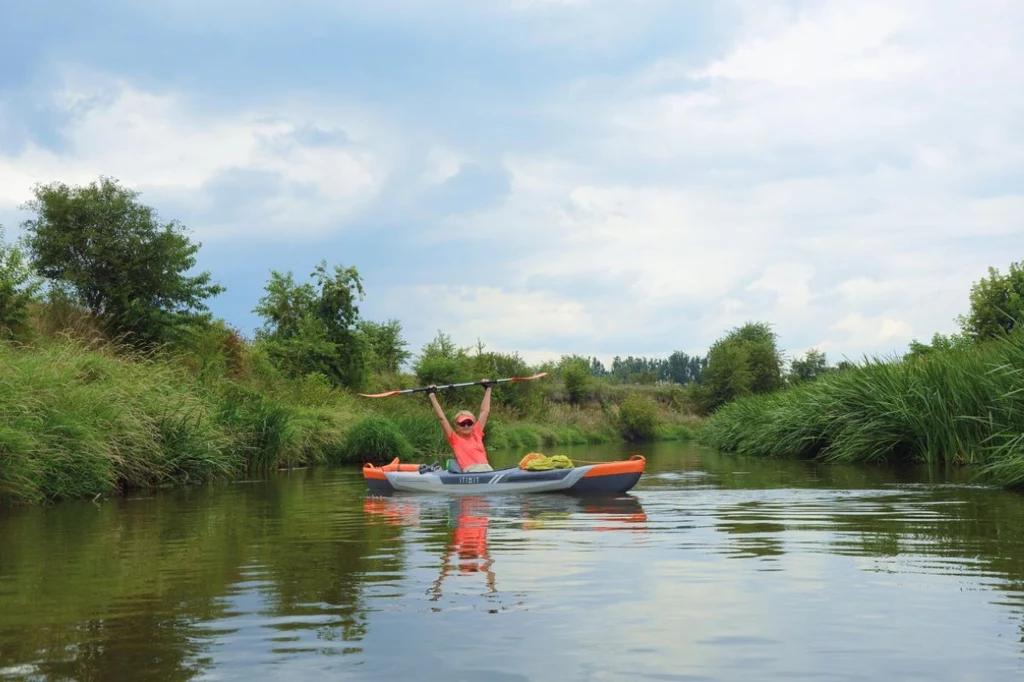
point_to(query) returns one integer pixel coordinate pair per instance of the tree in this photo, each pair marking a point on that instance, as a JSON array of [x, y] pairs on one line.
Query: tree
[[312, 327], [118, 259], [809, 367], [441, 361], [940, 342], [18, 288], [743, 362], [680, 368], [386, 349], [997, 304], [575, 372]]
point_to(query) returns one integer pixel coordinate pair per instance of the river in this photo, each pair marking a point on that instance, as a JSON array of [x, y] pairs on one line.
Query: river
[[713, 568]]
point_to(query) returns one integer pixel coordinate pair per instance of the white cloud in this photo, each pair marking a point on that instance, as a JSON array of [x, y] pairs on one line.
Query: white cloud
[[868, 332], [156, 142], [486, 312], [789, 282], [843, 170], [849, 140]]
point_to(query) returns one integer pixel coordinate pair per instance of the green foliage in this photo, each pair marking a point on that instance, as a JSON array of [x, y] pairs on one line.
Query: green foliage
[[517, 396], [385, 348], [441, 362], [638, 416], [680, 368], [744, 362], [809, 367], [575, 373], [940, 342], [312, 327], [18, 288], [424, 434], [75, 422], [376, 440], [215, 350], [118, 259], [963, 405], [997, 304]]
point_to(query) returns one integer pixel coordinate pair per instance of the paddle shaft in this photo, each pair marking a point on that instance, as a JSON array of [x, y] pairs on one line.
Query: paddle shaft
[[424, 389]]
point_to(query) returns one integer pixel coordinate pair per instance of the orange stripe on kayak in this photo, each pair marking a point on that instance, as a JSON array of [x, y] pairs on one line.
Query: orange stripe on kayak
[[376, 472], [633, 465]]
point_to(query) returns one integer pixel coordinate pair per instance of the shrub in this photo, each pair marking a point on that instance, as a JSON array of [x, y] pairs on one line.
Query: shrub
[[376, 440], [638, 417]]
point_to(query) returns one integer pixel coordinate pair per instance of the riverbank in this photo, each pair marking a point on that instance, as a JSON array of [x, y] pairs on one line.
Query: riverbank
[[77, 421], [959, 406]]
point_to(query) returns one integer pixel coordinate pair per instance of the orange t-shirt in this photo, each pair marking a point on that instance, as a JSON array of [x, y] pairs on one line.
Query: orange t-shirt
[[469, 450]]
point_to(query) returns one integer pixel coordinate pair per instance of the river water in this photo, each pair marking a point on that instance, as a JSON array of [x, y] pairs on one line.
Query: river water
[[713, 568]]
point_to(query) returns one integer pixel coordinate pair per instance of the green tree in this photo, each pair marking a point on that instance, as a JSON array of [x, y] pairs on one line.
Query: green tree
[[808, 367], [575, 371], [312, 327], [495, 365], [442, 362], [940, 342], [118, 259], [744, 361], [680, 368], [997, 304], [386, 349], [18, 288]]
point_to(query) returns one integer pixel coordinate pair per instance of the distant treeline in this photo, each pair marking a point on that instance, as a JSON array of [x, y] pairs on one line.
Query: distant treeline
[[677, 368]]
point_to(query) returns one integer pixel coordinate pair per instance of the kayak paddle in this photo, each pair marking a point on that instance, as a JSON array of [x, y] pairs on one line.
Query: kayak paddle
[[441, 388]]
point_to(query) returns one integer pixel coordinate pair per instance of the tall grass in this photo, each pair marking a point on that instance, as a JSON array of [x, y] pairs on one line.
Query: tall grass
[[77, 421], [81, 415], [957, 406]]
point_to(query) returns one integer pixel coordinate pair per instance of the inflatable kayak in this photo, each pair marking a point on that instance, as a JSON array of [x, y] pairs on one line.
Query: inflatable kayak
[[606, 478]]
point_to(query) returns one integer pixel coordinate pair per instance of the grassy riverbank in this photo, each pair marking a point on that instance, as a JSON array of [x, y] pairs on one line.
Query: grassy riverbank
[[963, 406], [79, 420]]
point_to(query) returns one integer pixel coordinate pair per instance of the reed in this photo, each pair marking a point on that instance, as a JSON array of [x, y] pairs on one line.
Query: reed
[[376, 440], [957, 406], [76, 422]]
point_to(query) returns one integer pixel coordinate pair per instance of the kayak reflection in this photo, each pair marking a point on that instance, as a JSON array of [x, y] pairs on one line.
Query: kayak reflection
[[463, 523]]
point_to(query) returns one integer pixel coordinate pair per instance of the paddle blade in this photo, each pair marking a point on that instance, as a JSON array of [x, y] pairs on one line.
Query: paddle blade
[[381, 395], [535, 376]]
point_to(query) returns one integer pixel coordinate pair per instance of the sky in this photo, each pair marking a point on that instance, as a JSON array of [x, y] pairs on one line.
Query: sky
[[549, 177]]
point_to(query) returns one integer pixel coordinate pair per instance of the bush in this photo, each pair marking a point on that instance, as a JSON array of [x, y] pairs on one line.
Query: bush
[[576, 375], [376, 440], [638, 417]]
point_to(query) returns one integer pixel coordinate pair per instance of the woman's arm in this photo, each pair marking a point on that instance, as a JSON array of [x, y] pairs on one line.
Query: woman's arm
[[485, 406], [440, 414]]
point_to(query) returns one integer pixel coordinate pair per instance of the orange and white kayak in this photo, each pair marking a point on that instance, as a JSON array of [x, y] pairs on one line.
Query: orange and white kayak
[[606, 478]]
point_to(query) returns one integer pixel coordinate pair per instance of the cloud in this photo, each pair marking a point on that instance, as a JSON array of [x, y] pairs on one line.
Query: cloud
[[312, 170], [596, 177]]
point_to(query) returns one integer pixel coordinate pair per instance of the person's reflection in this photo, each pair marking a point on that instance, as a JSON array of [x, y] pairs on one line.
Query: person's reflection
[[466, 552]]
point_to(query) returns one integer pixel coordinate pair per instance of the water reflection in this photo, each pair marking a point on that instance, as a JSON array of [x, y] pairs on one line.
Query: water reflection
[[465, 521], [466, 552], [713, 567]]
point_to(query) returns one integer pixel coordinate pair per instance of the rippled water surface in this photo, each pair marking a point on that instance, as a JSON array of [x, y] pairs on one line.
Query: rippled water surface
[[712, 568]]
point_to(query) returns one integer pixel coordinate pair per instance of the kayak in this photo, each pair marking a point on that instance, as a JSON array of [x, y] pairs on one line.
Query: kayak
[[606, 478]]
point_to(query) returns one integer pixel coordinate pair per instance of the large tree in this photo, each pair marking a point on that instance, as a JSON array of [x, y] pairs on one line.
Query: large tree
[[18, 288], [117, 258], [312, 327], [385, 348], [745, 361], [997, 304]]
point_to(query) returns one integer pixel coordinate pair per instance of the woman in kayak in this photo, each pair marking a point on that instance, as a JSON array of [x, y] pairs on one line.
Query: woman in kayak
[[467, 438]]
